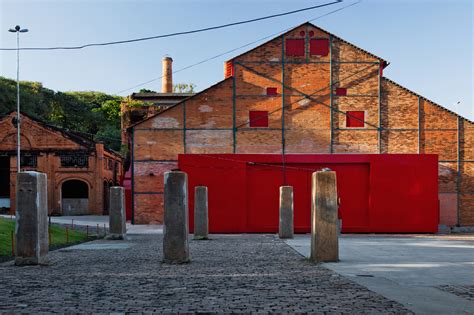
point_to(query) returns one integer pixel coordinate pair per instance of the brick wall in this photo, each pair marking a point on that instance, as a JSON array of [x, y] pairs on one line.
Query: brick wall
[[300, 120]]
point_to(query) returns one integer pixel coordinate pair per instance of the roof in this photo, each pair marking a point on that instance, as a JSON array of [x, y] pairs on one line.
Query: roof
[[160, 95], [426, 99], [383, 61], [180, 102], [72, 135]]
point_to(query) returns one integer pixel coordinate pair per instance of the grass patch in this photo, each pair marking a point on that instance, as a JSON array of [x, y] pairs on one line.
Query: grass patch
[[58, 236]]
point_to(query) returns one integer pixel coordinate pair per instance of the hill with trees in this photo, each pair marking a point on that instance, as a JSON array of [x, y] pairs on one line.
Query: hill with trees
[[94, 114]]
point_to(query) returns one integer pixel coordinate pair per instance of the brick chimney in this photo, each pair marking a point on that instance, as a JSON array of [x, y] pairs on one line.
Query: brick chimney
[[167, 81]]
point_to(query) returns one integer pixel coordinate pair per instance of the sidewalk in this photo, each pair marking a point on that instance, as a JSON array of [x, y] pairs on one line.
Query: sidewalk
[[101, 220], [428, 274]]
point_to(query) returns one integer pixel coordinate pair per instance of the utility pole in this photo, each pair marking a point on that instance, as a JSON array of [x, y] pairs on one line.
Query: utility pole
[[18, 30]]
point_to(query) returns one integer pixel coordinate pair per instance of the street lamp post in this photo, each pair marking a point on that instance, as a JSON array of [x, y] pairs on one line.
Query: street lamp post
[[18, 30]]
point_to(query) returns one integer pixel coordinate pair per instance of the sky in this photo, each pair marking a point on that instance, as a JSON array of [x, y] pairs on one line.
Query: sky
[[429, 43]]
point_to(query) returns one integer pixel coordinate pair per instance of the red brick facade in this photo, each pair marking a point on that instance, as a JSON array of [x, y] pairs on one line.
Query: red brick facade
[[63, 156], [306, 116]]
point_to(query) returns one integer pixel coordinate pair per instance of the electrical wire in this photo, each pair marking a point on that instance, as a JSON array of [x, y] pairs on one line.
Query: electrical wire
[[234, 49], [177, 33]]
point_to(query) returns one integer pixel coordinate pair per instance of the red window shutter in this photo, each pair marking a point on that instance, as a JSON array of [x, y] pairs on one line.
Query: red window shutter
[[355, 118], [272, 91], [295, 47], [319, 47], [341, 91], [258, 118], [228, 69]]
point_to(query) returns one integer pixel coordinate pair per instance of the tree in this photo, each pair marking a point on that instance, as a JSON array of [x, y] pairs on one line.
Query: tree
[[184, 88], [146, 91]]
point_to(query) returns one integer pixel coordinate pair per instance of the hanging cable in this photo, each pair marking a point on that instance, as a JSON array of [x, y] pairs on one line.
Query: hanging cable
[[234, 49], [178, 33]]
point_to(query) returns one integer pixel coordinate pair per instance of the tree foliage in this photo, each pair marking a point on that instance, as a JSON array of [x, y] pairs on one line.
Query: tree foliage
[[184, 88], [95, 114]]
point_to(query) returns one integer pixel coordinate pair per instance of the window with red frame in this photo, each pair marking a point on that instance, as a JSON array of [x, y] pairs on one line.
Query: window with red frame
[[319, 47], [258, 118], [341, 91], [294, 47], [355, 119], [272, 91]]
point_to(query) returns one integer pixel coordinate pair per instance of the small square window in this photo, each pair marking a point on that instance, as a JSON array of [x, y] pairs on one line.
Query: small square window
[[295, 47], [319, 47], [272, 91], [355, 119], [258, 118], [341, 91]]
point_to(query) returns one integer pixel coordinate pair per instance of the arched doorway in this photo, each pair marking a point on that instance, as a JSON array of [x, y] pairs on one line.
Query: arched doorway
[[74, 197]]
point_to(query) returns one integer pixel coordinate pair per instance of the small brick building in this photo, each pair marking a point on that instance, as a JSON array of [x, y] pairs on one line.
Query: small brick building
[[306, 91], [79, 170]]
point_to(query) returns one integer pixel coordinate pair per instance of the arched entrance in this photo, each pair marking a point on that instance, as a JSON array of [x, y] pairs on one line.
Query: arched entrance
[[74, 197]]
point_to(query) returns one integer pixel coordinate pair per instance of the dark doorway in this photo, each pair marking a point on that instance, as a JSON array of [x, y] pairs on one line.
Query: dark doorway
[[75, 197], [4, 183], [106, 198]]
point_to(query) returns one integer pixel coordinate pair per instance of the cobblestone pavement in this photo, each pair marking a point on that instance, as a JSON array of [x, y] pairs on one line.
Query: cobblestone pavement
[[230, 273], [464, 291]]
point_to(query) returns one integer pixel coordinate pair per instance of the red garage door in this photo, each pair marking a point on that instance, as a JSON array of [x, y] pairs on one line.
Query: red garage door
[[396, 193], [263, 184]]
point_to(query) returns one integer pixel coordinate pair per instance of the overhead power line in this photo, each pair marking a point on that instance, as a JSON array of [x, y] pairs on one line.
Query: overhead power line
[[234, 49], [178, 33]]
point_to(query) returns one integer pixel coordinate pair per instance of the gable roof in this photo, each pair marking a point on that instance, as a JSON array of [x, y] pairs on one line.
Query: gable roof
[[383, 61], [426, 99], [74, 136]]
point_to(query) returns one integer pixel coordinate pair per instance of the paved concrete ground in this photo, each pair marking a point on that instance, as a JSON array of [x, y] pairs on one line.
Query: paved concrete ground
[[230, 273], [429, 274], [93, 220]]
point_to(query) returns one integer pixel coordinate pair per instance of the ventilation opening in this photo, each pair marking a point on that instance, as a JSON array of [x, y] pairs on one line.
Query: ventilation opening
[[258, 118], [355, 119]]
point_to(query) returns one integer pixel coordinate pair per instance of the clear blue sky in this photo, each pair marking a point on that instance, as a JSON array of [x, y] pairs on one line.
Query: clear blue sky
[[428, 43]]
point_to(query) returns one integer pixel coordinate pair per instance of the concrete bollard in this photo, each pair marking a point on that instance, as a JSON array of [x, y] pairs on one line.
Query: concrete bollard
[[31, 230], [201, 219], [117, 220], [175, 227], [324, 220], [286, 212]]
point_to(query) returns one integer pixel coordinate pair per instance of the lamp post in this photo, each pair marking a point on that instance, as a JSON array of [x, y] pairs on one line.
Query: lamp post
[[18, 30]]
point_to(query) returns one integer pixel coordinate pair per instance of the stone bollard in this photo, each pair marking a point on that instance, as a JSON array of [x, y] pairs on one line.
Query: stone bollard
[[324, 220], [175, 227], [286, 212], [201, 220], [31, 230], [117, 220]]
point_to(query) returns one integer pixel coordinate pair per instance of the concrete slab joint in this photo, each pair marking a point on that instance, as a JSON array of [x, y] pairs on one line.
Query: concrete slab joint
[[31, 230], [286, 212], [117, 219], [324, 221], [201, 219], [175, 223]]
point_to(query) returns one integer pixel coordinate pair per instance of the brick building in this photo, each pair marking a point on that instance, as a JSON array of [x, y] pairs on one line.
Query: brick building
[[306, 91], [79, 170]]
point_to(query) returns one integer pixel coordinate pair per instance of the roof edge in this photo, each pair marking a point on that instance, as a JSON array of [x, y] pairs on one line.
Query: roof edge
[[180, 102], [384, 62], [427, 99]]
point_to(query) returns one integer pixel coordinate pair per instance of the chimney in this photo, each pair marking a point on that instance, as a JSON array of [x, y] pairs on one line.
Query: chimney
[[167, 81]]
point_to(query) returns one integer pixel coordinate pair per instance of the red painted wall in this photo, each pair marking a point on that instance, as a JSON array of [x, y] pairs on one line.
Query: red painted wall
[[380, 193]]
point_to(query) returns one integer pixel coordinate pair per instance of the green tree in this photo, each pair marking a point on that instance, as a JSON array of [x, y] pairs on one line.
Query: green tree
[[184, 88]]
